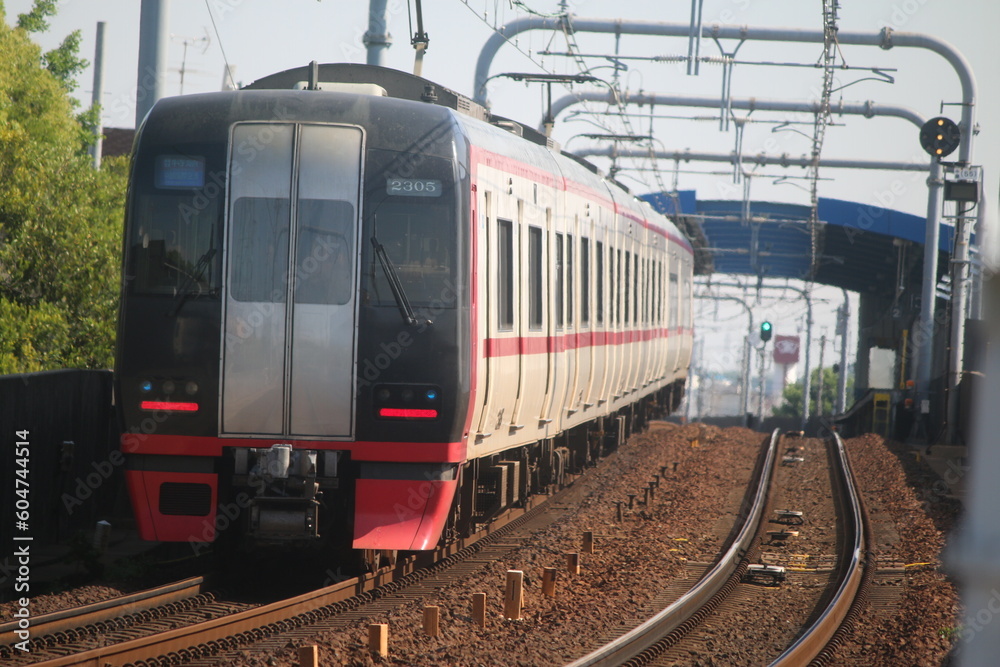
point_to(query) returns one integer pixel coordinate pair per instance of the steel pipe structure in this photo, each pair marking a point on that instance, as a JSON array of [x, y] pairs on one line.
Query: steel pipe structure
[[869, 109], [96, 97], [887, 38], [377, 38], [759, 159], [152, 70]]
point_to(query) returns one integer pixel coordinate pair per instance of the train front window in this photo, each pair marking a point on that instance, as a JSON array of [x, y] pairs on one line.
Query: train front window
[[174, 243], [410, 211]]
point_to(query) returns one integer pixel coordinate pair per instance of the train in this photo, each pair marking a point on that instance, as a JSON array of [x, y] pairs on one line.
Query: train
[[357, 306]]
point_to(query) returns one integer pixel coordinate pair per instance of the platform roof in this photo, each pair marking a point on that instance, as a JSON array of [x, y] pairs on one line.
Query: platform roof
[[855, 246]]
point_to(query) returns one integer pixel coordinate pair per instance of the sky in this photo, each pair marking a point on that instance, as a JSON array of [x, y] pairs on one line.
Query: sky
[[260, 37]]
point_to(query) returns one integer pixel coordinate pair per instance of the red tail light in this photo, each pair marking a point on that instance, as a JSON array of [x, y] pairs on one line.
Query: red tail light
[[408, 413], [169, 406]]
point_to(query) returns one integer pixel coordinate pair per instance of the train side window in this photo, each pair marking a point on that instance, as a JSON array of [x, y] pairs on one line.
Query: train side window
[[585, 281], [675, 297], [600, 282], [687, 299], [618, 287], [644, 283], [560, 282], [628, 286], [659, 292], [635, 289], [535, 286], [505, 265], [570, 281]]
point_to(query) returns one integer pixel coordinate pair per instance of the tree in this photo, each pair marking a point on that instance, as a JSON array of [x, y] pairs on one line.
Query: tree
[[60, 221], [792, 395]]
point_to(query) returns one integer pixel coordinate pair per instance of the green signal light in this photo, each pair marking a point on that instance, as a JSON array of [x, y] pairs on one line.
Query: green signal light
[[765, 331]]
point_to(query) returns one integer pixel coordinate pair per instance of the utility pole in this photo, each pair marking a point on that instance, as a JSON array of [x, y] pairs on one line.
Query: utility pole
[[843, 316], [152, 69], [819, 387], [97, 94]]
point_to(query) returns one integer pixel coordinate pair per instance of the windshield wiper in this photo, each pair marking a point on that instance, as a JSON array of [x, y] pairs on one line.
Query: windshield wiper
[[191, 278], [405, 309]]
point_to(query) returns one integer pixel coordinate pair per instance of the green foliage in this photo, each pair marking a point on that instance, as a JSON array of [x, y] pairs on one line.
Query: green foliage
[[35, 20], [792, 406], [63, 62], [60, 221]]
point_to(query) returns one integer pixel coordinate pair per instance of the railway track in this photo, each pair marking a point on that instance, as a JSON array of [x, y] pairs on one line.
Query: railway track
[[268, 629], [657, 640], [153, 637]]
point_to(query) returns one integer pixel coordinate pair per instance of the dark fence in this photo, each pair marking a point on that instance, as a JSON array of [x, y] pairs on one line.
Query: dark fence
[[73, 468]]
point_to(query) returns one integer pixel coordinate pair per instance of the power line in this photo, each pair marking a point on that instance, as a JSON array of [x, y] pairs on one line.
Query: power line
[[229, 70]]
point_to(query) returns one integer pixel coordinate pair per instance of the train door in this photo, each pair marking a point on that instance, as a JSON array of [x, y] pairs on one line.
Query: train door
[[288, 359], [598, 346], [574, 319], [502, 285]]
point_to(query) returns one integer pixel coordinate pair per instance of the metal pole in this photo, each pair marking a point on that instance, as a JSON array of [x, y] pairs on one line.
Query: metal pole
[[845, 314], [153, 39], [377, 39], [762, 159], [868, 109], [819, 389], [745, 380], [923, 338], [960, 263], [98, 93], [760, 386], [887, 38]]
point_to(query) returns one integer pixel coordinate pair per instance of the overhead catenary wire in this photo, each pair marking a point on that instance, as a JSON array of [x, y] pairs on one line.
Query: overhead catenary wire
[[229, 69]]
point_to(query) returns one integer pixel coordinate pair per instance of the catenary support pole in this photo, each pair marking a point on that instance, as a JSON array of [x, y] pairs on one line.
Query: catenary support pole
[[924, 336], [377, 39], [151, 77], [843, 322], [959, 292], [98, 93]]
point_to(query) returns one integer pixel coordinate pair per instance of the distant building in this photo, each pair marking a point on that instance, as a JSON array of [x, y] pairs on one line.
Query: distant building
[[117, 141]]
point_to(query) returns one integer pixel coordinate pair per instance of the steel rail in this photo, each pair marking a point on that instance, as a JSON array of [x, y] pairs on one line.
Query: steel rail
[[656, 628], [254, 624], [96, 612], [851, 592]]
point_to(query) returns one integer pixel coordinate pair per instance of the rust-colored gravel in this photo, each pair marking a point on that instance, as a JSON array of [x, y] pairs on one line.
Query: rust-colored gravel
[[634, 561], [912, 519], [690, 515], [75, 597]]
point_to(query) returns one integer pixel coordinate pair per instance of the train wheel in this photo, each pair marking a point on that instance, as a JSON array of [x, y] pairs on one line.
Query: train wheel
[[372, 560]]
